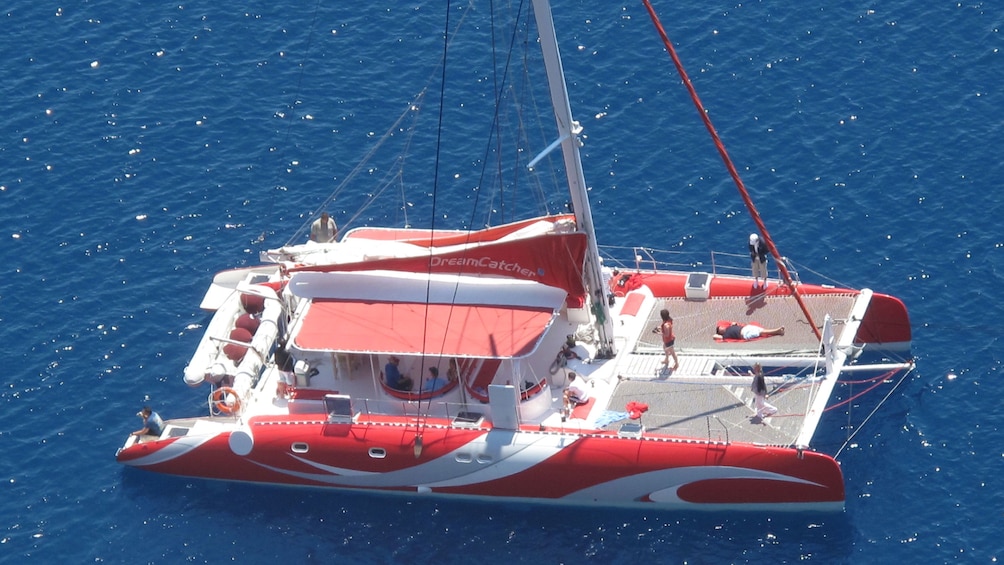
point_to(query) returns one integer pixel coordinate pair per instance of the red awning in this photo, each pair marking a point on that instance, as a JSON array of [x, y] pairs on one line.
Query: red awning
[[431, 329]]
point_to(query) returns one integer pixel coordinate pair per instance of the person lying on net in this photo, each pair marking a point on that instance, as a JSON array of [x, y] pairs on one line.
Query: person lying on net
[[737, 331]]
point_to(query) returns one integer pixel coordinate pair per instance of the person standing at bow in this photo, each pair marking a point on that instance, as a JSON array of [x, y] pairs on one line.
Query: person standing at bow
[[323, 230], [758, 260]]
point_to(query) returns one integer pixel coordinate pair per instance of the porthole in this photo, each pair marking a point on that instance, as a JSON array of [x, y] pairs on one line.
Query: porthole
[[378, 452], [484, 458], [300, 447], [463, 457]]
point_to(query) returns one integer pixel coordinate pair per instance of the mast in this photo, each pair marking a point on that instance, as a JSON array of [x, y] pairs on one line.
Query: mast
[[568, 131]]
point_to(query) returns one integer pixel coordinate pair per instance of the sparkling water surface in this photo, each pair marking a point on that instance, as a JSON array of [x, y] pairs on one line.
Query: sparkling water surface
[[149, 145]]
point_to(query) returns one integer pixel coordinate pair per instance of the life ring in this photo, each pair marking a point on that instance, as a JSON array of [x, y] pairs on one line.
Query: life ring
[[221, 403]]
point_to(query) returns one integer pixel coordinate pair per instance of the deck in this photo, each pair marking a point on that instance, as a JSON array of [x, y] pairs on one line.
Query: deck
[[708, 397]]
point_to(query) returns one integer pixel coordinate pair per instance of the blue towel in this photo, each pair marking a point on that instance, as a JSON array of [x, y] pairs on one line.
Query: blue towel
[[609, 417]]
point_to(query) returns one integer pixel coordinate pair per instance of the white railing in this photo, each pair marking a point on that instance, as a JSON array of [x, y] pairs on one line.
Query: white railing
[[650, 260]]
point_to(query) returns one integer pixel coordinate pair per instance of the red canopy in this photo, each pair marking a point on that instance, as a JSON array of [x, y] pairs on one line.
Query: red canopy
[[417, 328]]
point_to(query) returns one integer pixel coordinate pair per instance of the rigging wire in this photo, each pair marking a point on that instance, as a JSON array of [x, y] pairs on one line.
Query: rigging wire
[[522, 96], [497, 95], [395, 175], [500, 85], [875, 383], [874, 410], [494, 136], [432, 222], [296, 95]]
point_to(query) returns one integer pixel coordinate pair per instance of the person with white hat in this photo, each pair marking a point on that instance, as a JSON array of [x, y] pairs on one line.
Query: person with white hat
[[758, 258]]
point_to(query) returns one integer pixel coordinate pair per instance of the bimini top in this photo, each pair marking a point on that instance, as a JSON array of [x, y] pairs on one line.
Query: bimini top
[[388, 312]]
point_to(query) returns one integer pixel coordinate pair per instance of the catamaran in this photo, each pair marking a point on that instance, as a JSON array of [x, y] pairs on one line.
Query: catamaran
[[296, 359]]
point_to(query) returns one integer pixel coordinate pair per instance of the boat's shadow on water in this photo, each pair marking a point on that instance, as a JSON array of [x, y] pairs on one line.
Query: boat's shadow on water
[[341, 522]]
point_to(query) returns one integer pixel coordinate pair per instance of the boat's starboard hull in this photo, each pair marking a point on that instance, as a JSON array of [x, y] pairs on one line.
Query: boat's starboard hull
[[544, 465]]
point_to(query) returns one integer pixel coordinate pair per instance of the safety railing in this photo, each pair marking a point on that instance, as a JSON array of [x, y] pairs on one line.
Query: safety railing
[[651, 260]]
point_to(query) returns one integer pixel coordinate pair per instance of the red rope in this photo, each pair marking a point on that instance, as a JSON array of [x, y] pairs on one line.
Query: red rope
[[732, 169], [877, 380]]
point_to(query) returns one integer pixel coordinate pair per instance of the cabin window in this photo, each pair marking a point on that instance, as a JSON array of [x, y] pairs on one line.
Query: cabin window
[[463, 457], [484, 458], [300, 447], [378, 452]]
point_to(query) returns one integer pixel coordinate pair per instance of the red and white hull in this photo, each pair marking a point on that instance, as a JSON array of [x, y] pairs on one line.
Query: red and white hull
[[544, 465]]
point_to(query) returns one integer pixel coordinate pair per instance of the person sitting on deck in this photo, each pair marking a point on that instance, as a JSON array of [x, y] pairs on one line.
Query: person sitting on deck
[[395, 379], [575, 392], [735, 331], [152, 424], [434, 382]]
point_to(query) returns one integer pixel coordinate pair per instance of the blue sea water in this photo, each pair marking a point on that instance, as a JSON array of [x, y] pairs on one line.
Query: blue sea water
[[147, 145]]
